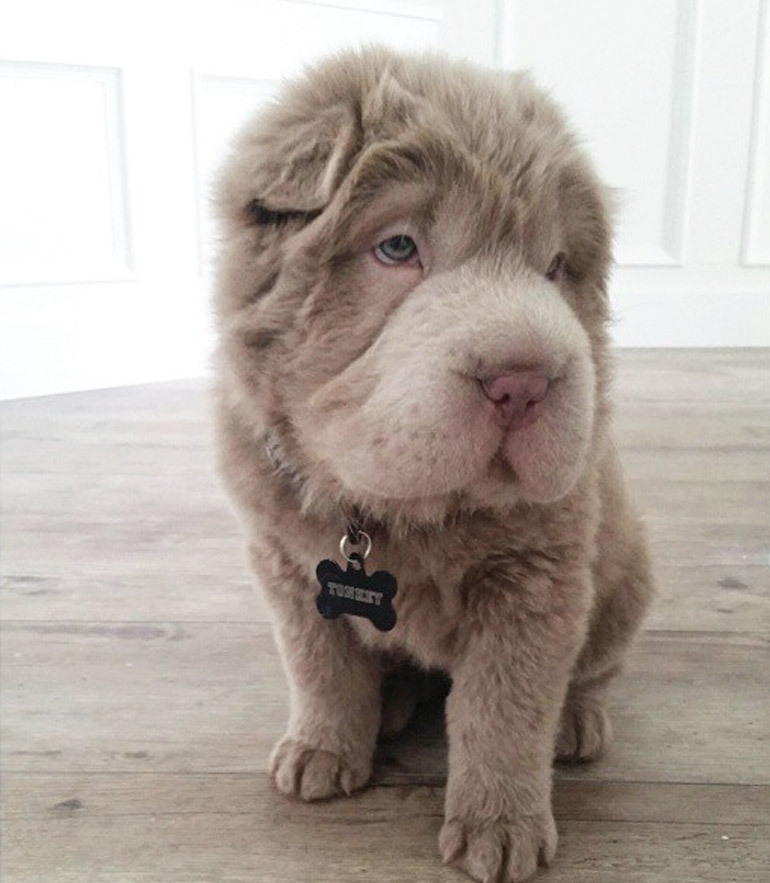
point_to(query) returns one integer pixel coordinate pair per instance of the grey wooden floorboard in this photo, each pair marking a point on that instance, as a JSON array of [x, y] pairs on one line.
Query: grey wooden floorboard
[[141, 688], [238, 830]]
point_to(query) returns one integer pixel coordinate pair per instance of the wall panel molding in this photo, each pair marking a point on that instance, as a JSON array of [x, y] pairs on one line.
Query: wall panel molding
[[421, 12], [755, 249], [680, 148], [116, 115], [626, 74], [64, 216]]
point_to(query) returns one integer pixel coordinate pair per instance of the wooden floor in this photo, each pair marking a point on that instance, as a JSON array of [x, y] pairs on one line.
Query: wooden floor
[[141, 690]]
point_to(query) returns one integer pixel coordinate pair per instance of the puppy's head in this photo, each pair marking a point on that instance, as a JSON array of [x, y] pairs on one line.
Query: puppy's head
[[411, 292]]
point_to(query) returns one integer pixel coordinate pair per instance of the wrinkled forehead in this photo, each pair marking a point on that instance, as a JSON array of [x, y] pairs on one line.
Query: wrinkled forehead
[[468, 205]]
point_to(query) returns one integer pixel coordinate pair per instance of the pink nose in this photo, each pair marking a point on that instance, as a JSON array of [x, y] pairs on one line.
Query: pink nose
[[515, 395]]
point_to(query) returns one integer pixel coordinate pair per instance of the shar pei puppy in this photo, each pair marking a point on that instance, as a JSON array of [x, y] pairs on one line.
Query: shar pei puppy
[[414, 424]]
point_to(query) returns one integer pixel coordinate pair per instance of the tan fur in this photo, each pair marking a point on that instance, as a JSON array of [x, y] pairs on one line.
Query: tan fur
[[345, 384]]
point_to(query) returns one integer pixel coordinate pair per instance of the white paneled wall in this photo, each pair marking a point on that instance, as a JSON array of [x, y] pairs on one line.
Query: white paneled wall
[[672, 99], [627, 86], [113, 117], [756, 240]]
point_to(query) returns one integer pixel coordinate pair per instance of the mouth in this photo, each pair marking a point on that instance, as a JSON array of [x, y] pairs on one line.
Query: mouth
[[516, 429], [500, 470], [533, 434]]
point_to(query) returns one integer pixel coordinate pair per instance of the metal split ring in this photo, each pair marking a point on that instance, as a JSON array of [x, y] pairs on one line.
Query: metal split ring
[[364, 538]]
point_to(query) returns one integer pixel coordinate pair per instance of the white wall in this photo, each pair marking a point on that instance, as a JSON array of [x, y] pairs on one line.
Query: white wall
[[113, 115], [673, 97]]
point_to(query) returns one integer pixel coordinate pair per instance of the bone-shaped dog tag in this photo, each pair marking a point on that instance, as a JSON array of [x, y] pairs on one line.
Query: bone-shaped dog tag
[[354, 592]]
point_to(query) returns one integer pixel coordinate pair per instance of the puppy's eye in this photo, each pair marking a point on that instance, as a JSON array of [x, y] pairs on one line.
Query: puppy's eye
[[557, 265], [398, 249]]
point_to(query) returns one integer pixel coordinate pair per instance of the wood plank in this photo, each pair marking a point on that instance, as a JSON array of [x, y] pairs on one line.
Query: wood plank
[[142, 690], [140, 696], [692, 376], [720, 427], [46, 795], [72, 504], [714, 598], [115, 497], [163, 429], [95, 445], [135, 573], [160, 545], [706, 544], [704, 502], [690, 708], [221, 591], [687, 361], [85, 455], [706, 387], [212, 697], [692, 524], [723, 597], [149, 570], [149, 399], [726, 466], [238, 829]]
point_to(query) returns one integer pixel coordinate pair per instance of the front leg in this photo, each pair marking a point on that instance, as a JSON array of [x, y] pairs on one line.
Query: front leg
[[334, 691], [502, 714]]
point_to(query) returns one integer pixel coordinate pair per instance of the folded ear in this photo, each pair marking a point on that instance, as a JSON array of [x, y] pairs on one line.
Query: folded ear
[[587, 216], [288, 162], [305, 159]]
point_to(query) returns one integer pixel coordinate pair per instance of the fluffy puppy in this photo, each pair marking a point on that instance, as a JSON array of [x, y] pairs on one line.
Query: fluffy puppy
[[412, 310]]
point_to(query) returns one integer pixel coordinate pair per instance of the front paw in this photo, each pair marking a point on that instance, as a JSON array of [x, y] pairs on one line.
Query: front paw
[[585, 731], [312, 773], [501, 849]]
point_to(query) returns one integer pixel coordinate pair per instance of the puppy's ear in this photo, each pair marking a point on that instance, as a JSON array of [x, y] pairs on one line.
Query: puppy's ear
[[288, 163], [587, 213], [306, 161]]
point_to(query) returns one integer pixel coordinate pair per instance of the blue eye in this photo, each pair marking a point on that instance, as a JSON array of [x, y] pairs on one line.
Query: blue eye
[[398, 249]]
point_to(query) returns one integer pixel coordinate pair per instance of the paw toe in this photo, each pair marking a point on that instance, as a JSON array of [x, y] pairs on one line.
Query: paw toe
[[499, 850], [484, 855], [585, 732], [451, 841], [301, 770]]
